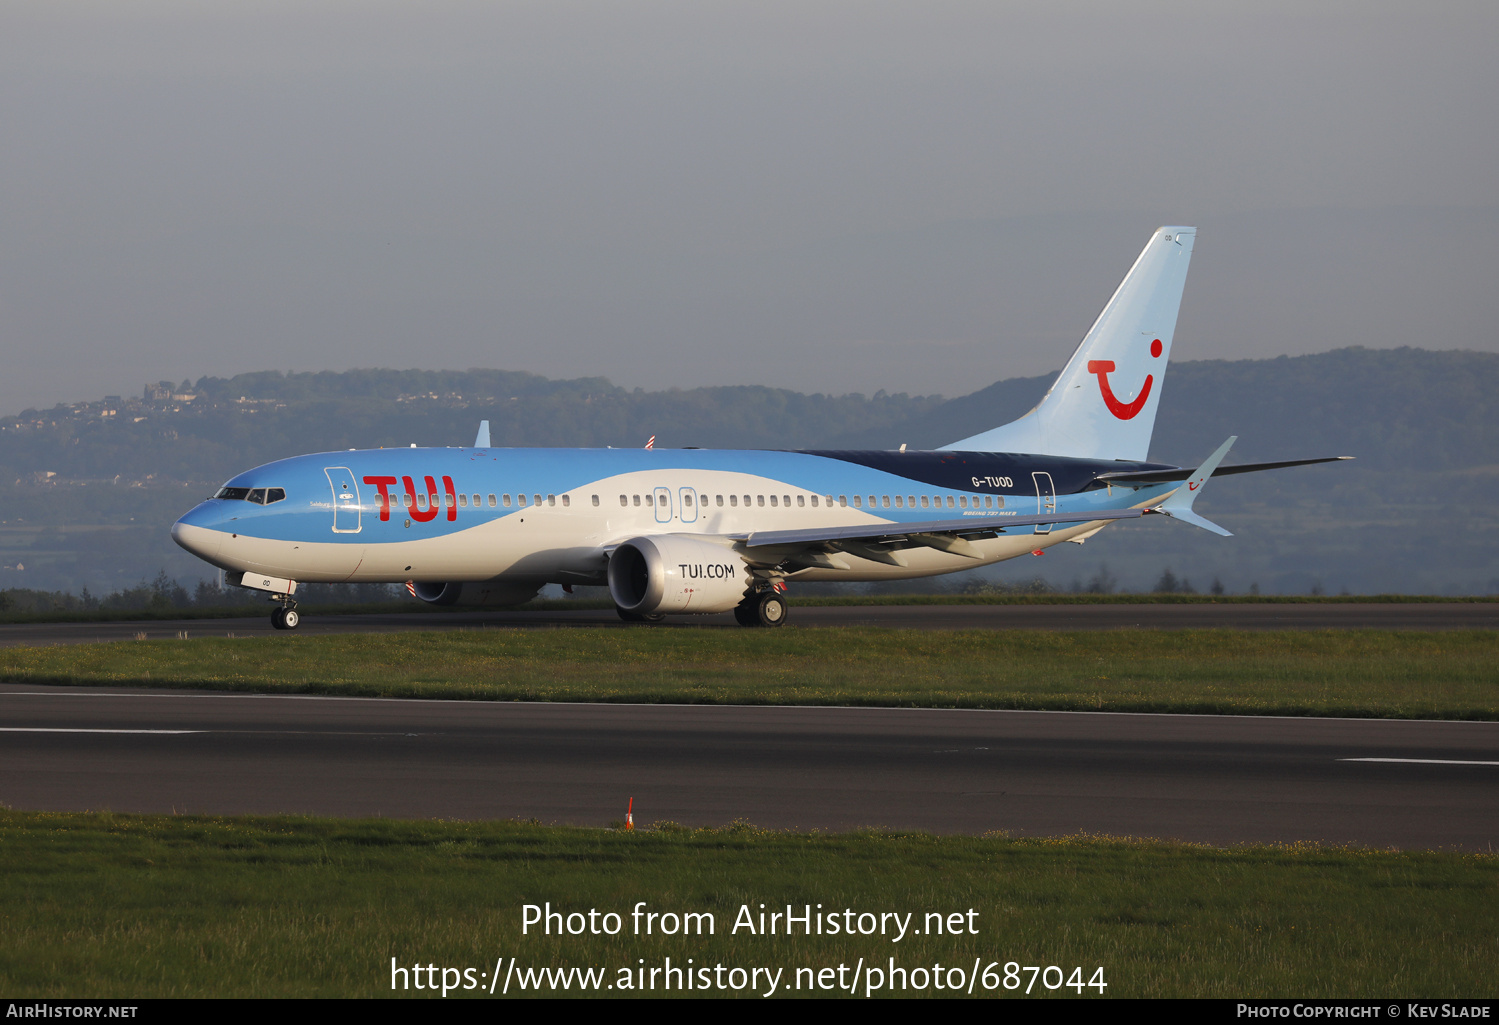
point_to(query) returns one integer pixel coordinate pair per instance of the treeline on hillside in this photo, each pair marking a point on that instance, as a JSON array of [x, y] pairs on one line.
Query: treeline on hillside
[[209, 439], [87, 499], [1406, 409], [1400, 408]]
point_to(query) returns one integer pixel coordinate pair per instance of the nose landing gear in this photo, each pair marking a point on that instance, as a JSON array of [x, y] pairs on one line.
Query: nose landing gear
[[286, 617]]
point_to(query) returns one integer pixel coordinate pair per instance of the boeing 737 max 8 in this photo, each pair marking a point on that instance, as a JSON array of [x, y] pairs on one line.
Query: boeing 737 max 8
[[700, 531]]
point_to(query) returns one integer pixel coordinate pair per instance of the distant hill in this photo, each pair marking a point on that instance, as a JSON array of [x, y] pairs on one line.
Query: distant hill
[[89, 489], [1394, 408]]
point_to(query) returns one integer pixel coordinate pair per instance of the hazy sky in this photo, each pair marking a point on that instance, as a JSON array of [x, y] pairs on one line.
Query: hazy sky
[[839, 197]]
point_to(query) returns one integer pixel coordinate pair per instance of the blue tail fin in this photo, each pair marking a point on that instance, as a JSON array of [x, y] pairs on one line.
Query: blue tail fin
[[1103, 404]]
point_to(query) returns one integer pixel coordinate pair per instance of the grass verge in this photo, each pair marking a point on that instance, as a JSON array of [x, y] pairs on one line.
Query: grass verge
[[1366, 673], [153, 906], [253, 609]]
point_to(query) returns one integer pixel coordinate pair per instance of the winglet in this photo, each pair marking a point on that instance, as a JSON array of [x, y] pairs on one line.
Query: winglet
[[1179, 505], [482, 441]]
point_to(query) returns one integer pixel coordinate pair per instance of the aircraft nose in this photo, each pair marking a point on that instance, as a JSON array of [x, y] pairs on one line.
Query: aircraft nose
[[201, 541]]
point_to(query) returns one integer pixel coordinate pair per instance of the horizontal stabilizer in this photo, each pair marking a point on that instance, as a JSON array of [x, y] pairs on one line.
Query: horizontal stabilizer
[[1166, 476], [1179, 504], [1197, 520]]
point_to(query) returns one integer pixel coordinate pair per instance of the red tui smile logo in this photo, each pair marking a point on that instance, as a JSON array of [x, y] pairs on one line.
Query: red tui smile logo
[[1122, 410]]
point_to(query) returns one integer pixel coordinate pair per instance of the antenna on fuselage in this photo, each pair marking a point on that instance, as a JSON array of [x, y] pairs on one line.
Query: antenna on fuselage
[[482, 441]]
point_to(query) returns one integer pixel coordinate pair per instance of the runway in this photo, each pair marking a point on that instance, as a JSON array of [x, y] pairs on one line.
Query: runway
[[1216, 780], [1310, 616]]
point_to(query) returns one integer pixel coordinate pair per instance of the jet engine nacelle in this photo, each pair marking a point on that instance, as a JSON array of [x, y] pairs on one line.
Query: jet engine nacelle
[[483, 592], [651, 575]]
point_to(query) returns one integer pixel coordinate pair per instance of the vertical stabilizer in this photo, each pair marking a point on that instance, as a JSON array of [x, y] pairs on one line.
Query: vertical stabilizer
[[1103, 404]]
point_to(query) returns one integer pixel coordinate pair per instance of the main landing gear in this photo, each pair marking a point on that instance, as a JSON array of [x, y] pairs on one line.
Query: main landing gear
[[286, 617], [763, 608]]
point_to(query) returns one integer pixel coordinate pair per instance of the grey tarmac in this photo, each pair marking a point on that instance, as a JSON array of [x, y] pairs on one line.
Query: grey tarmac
[[1229, 615], [1217, 780]]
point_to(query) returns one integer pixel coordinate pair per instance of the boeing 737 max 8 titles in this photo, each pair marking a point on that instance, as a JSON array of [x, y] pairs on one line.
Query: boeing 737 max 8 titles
[[701, 531]]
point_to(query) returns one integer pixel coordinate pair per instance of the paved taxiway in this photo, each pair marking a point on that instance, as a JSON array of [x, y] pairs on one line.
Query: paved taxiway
[[1212, 779], [1310, 616]]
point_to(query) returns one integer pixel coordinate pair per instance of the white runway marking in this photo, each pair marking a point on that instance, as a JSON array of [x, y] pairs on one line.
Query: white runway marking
[[53, 729], [1419, 761]]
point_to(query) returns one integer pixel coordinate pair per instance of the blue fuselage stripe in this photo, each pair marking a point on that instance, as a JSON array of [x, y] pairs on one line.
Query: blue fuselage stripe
[[311, 483]]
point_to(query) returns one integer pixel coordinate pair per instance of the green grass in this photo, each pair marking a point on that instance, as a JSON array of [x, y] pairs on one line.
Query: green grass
[[1447, 674], [259, 608], [1140, 599], [155, 906]]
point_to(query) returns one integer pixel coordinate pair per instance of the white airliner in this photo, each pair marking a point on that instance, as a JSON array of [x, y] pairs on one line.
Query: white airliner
[[701, 531]]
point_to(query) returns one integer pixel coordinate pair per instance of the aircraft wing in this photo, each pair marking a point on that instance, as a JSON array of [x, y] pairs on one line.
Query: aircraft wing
[[948, 535], [1166, 476]]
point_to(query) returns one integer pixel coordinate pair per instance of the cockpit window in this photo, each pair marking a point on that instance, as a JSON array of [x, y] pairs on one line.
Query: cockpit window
[[260, 496]]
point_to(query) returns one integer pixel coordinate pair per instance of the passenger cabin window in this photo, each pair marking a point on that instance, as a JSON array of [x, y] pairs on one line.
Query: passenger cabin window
[[885, 501], [506, 499], [720, 501], [520, 500], [801, 501], [687, 498], [463, 501], [786, 501], [760, 501], [897, 501], [963, 502], [650, 500], [595, 499], [773, 502], [551, 499], [858, 502], [923, 501], [493, 503], [843, 501], [734, 501], [949, 501], [624, 500]]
